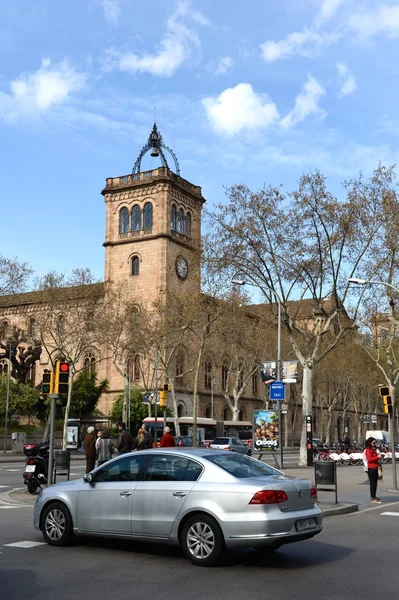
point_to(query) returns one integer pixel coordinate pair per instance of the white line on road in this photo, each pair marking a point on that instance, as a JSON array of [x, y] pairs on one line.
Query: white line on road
[[25, 544], [391, 514], [376, 507], [13, 506]]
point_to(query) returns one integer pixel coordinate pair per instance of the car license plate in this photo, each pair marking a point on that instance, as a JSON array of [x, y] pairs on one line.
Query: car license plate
[[30, 468], [304, 524]]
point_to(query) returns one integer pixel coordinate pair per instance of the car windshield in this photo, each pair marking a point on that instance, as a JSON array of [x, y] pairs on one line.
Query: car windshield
[[241, 466], [220, 441]]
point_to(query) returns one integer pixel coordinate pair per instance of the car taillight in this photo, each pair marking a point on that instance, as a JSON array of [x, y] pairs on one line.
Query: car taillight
[[313, 492], [269, 497], [31, 461]]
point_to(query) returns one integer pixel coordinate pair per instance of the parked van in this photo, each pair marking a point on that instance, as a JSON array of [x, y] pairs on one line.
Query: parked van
[[380, 435]]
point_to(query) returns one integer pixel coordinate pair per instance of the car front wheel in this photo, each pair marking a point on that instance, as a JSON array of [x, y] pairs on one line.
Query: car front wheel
[[57, 526], [202, 540]]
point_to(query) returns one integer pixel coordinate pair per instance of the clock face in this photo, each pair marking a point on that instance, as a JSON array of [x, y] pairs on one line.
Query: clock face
[[181, 267]]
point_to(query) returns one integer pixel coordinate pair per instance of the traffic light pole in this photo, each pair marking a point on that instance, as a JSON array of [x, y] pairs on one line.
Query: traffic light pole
[[392, 431], [53, 397]]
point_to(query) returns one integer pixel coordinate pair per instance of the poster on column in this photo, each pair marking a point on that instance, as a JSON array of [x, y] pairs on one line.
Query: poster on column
[[265, 431]]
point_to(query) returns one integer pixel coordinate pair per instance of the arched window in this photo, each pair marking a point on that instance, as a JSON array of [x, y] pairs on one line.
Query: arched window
[[255, 382], [208, 373], [3, 367], [60, 324], [208, 412], [242, 415], [4, 329], [32, 375], [173, 218], [225, 376], [188, 224], [226, 414], [181, 411], [135, 265], [32, 329], [89, 364], [147, 222], [136, 218], [124, 220], [180, 221], [179, 364], [136, 368]]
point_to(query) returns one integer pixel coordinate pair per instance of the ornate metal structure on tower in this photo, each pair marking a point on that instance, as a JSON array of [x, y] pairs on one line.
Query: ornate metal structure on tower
[[155, 144]]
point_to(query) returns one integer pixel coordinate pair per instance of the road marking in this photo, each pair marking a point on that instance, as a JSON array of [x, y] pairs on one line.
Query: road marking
[[391, 514], [376, 507], [13, 470], [25, 544], [4, 486], [13, 506]]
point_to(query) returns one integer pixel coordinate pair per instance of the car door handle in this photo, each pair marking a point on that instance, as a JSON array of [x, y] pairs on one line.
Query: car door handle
[[125, 494], [180, 494]]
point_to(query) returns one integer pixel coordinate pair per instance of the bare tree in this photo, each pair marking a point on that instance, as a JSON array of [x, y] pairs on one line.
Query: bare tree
[[13, 275], [303, 247]]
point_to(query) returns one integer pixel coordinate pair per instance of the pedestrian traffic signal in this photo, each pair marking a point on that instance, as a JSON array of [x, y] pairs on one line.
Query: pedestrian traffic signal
[[387, 400], [48, 383], [61, 377], [163, 399], [385, 393]]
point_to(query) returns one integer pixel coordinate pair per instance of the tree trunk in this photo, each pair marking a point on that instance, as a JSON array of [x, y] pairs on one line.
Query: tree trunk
[[329, 421], [195, 396], [307, 397]]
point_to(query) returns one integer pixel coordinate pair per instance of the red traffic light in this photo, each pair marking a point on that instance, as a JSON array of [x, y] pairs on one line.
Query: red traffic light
[[64, 367]]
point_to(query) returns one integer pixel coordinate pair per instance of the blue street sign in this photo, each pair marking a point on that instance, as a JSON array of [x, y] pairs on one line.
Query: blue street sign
[[277, 391]]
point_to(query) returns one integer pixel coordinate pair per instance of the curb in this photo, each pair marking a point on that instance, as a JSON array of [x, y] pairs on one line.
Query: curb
[[8, 499], [340, 509]]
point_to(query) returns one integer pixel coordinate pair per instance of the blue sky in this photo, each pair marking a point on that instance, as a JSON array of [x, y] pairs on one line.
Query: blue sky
[[255, 92]]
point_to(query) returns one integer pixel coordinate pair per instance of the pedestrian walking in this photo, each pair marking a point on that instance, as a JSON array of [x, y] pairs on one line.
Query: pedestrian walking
[[105, 448], [125, 441], [90, 449], [147, 436], [167, 440], [140, 443], [372, 462]]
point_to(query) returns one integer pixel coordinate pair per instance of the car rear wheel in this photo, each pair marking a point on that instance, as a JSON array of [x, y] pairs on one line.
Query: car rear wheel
[[202, 540], [57, 526]]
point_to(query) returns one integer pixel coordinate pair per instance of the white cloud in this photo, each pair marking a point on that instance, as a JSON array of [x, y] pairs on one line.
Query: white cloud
[[307, 42], [306, 103], [220, 66], [348, 85], [327, 11], [36, 93], [384, 20], [175, 47], [240, 108], [112, 11]]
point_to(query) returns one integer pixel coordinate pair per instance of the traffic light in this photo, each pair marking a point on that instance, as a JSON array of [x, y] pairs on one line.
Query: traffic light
[[48, 383], [385, 394], [61, 377], [167, 387], [163, 399]]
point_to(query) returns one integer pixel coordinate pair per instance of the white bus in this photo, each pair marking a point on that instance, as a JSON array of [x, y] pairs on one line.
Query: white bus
[[206, 428]]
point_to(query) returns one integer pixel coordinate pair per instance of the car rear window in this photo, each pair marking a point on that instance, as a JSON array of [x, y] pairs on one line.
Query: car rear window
[[241, 466], [220, 441]]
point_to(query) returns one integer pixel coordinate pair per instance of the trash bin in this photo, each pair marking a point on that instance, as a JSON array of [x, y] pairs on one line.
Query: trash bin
[[62, 463], [325, 473]]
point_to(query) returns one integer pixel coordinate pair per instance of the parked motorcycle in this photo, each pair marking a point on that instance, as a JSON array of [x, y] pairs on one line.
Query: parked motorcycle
[[36, 465]]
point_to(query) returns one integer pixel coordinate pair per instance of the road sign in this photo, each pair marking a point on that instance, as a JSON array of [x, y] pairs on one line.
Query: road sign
[[277, 390]]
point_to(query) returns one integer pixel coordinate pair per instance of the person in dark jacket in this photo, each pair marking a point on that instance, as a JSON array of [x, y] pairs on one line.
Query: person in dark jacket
[[125, 442], [139, 442], [167, 440], [373, 460], [147, 436], [90, 449], [105, 448]]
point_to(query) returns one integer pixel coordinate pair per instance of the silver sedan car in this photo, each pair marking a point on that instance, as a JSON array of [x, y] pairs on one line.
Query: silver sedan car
[[201, 499]]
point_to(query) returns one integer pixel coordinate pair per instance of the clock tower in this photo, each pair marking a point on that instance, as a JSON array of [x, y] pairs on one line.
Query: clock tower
[[153, 227]]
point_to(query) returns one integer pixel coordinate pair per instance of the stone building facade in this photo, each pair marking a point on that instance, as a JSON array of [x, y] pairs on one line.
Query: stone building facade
[[152, 240]]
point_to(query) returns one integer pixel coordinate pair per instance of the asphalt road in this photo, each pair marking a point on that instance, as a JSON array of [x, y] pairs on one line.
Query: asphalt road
[[354, 557]]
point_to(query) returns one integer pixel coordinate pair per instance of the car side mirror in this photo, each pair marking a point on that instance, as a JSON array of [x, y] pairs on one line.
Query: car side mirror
[[88, 478]]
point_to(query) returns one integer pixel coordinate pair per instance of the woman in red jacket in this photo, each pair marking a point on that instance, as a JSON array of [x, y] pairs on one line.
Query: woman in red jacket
[[373, 461]]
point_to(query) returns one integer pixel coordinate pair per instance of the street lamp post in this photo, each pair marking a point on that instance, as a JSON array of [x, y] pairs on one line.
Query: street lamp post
[[391, 418], [243, 282], [10, 346]]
